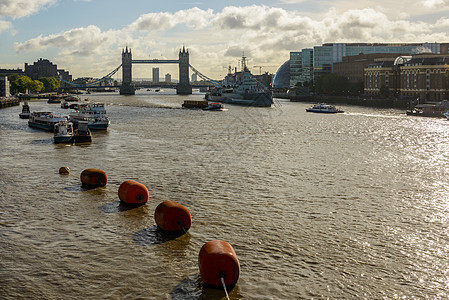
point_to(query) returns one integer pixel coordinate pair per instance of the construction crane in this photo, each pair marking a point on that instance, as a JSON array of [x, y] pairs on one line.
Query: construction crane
[[260, 68]]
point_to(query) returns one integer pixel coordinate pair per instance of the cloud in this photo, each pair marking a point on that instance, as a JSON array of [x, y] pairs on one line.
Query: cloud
[[22, 8], [4, 25], [435, 3], [193, 18], [79, 41]]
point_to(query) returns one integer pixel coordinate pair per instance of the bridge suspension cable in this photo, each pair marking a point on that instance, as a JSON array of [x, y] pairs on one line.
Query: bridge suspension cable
[[204, 77], [93, 83]]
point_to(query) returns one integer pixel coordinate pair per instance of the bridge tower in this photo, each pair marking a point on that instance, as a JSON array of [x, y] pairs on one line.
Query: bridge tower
[[127, 63], [184, 87]]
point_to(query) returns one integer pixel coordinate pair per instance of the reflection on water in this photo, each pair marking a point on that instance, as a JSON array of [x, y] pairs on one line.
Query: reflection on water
[[341, 206]]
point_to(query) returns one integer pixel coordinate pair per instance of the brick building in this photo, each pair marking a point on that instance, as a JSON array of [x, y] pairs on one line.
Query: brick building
[[352, 67], [422, 76]]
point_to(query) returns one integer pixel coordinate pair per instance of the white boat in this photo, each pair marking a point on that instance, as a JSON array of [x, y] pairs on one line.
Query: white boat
[[25, 114], [45, 120], [64, 132], [323, 108], [93, 113], [215, 106]]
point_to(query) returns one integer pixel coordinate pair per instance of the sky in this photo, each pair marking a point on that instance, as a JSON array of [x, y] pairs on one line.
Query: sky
[[86, 37]]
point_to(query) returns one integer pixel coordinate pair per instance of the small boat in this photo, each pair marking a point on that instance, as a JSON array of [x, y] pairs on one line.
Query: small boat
[[64, 132], [82, 133], [45, 120], [323, 108], [64, 104], [25, 114], [72, 98], [55, 99], [430, 110], [93, 113], [215, 106], [74, 106]]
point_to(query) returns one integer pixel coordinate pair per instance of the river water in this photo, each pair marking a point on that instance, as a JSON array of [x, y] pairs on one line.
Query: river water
[[316, 206]]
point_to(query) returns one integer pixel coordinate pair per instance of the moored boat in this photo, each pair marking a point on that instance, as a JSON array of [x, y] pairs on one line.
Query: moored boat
[[25, 114], [243, 89], [430, 110], [64, 132], [324, 108], [82, 133], [64, 104], [45, 120], [93, 113]]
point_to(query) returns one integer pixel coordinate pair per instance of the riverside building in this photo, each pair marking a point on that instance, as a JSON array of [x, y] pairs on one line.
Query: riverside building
[[423, 76], [325, 56]]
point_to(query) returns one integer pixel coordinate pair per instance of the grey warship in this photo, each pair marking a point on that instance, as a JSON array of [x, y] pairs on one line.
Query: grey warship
[[241, 88]]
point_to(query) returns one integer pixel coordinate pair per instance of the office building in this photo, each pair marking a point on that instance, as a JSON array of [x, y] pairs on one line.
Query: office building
[[168, 77], [4, 86], [155, 75], [301, 67], [326, 55]]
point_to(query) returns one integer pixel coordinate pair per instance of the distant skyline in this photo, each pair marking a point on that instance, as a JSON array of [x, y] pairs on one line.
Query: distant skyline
[[86, 37]]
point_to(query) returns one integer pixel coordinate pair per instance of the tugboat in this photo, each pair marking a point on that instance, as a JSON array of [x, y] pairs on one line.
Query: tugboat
[[82, 133], [25, 114]]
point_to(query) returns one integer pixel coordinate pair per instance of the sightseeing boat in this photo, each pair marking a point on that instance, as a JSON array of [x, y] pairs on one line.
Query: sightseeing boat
[[324, 108], [93, 113], [25, 114], [45, 120]]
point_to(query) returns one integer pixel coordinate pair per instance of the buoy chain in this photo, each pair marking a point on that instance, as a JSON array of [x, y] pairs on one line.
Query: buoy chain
[[182, 226], [222, 275]]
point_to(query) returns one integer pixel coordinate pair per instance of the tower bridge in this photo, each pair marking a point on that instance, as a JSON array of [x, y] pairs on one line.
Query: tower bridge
[[183, 87]]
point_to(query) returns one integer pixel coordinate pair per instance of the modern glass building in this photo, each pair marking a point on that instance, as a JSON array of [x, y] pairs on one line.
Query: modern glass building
[[326, 55], [281, 79], [301, 67]]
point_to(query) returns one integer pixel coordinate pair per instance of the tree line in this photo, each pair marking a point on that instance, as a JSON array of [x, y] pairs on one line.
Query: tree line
[[24, 84]]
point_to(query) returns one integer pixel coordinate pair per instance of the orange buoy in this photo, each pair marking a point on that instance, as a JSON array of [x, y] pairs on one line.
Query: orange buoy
[[172, 216], [217, 259], [64, 170], [94, 177], [132, 192]]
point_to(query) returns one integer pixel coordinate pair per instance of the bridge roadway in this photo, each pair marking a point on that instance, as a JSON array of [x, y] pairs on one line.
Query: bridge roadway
[[153, 85], [155, 61]]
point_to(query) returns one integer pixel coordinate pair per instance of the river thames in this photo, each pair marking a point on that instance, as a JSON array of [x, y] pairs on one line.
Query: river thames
[[316, 206]]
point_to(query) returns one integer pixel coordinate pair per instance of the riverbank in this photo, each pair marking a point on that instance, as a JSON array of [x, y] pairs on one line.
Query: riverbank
[[7, 102], [34, 96]]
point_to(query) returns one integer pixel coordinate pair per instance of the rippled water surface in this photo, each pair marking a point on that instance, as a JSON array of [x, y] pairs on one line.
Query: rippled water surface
[[345, 206]]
